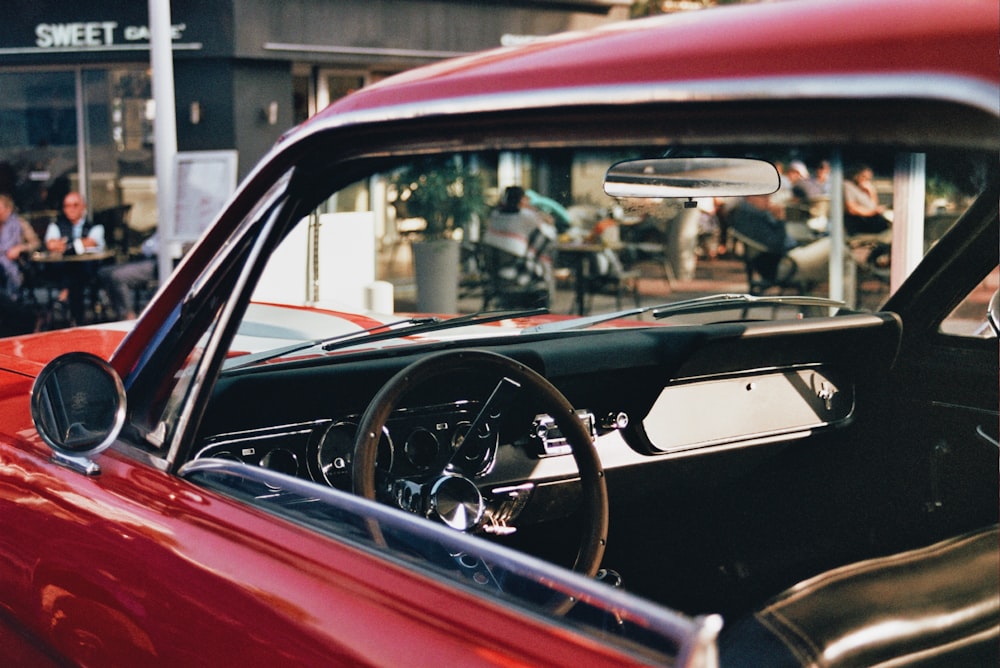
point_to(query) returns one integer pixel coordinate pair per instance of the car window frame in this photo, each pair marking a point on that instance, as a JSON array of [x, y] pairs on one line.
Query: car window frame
[[347, 151], [163, 437]]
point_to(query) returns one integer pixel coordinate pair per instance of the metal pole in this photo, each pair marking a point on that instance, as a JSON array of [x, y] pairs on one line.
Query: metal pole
[[164, 128], [82, 142]]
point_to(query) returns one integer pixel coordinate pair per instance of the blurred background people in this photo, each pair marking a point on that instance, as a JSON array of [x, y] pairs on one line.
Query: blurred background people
[[516, 229], [757, 218], [72, 226], [521, 239], [16, 238], [862, 212], [73, 233], [804, 189], [122, 280]]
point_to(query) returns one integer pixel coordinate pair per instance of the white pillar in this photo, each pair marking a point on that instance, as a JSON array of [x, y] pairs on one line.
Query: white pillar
[[164, 126], [909, 185]]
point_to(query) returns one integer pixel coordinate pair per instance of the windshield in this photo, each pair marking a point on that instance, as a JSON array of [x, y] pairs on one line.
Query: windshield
[[435, 236]]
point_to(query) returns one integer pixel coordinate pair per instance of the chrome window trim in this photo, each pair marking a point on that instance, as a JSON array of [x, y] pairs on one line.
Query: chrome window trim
[[266, 215], [966, 90]]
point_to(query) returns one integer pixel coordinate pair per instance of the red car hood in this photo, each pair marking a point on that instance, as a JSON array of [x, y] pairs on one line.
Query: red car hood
[[266, 326], [28, 354], [271, 326]]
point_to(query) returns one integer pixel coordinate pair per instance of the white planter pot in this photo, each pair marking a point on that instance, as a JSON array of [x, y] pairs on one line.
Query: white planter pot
[[436, 264]]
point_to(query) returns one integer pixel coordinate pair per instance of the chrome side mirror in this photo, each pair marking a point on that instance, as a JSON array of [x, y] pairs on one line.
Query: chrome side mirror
[[78, 407]]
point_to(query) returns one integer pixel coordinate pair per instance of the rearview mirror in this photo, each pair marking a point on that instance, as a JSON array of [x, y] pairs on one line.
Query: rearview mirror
[[691, 178]]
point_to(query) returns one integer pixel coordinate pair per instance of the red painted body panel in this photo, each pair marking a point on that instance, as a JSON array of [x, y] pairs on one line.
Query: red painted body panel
[[86, 588], [28, 354]]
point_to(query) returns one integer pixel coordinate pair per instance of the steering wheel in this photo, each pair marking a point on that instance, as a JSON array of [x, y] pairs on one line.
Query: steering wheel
[[451, 495]]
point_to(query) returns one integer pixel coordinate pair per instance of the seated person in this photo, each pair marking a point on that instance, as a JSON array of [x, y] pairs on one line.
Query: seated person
[[16, 238], [121, 280], [805, 191], [862, 212], [756, 218], [73, 226], [74, 234], [606, 261], [523, 237]]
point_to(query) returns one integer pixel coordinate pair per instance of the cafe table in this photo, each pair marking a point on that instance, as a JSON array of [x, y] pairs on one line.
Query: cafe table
[[50, 271], [579, 256]]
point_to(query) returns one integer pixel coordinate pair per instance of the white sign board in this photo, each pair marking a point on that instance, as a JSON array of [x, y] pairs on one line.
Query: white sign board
[[204, 180], [337, 274]]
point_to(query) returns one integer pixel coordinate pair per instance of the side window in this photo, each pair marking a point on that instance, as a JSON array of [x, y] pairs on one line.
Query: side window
[[159, 387], [969, 317]]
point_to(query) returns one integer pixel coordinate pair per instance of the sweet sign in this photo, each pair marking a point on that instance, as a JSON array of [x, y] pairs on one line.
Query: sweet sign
[[94, 34]]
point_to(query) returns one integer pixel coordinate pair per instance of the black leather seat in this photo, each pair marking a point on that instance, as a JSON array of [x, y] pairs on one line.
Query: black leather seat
[[933, 606]]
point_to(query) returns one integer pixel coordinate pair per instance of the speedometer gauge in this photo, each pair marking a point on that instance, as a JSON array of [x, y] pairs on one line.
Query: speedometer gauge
[[336, 452]]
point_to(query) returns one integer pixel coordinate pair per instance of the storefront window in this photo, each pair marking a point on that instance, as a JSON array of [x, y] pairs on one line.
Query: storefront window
[[85, 130], [38, 137]]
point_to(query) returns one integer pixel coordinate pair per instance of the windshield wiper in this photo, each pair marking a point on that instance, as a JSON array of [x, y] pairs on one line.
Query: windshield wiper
[[256, 358], [388, 330], [423, 325], [697, 305]]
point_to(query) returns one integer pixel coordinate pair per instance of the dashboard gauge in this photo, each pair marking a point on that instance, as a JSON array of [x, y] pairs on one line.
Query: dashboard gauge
[[224, 454], [479, 451], [282, 461], [421, 448], [336, 452], [219, 452]]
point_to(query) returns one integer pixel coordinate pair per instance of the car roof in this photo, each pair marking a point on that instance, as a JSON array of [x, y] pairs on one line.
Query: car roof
[[781, 49]]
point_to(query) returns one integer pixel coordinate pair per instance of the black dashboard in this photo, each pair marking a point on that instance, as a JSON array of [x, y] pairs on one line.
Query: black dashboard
[[647, 396]]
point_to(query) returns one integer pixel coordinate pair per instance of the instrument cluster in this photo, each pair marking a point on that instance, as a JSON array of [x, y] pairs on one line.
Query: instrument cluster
[[415, 442]]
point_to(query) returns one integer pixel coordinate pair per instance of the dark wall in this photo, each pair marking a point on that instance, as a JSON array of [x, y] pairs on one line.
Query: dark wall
[[210, 84], [369, 31], [233, 97], [257, 84]]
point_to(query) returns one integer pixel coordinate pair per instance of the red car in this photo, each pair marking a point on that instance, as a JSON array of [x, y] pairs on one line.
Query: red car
[[256, 474]]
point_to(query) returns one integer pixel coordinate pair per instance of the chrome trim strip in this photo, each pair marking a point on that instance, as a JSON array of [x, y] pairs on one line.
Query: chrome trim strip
[[976, 93], [966, 90]]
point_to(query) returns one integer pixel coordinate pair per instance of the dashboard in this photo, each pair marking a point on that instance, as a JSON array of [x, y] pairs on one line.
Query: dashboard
[[647, 397]]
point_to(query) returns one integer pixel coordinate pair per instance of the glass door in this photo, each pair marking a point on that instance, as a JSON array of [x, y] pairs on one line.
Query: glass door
[[38, 140], [84, 130]]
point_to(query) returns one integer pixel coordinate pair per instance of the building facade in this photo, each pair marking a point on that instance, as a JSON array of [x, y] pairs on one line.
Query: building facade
[[76, 109]]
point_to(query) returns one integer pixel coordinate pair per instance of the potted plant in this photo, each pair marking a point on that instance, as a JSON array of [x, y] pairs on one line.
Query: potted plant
[[447, 193]]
